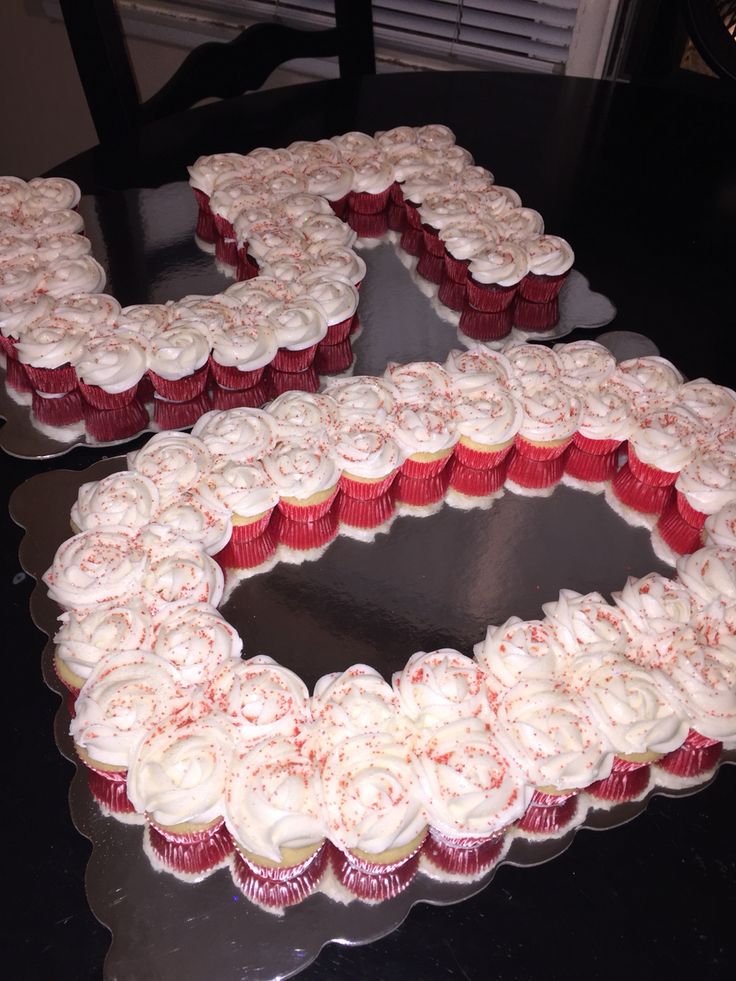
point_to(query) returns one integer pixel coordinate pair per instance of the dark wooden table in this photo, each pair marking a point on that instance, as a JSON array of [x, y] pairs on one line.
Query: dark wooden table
[[642, 180]]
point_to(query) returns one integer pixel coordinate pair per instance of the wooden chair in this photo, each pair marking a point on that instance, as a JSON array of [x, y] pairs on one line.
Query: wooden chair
[[215, 69]]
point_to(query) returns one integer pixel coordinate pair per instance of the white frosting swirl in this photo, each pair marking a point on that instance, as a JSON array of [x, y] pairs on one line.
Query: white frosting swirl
[[126, 500], [96, 567], [273, 799], [178, 773], [372, 794]]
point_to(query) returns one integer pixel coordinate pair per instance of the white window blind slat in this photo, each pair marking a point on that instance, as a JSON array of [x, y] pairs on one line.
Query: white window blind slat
[[536, 34]]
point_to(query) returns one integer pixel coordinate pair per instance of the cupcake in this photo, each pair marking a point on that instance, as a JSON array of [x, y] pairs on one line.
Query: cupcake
[[306, 479], [247, 492], [273, 810], [338, 299], [240, 354], [549, 420], [195, 640], [86, 636], [127, 500], [237, 435], [177, 779], [125, 694], [375, 815], [369, 459], [488, 421], [472, 795], [426, 438], [550, 259], [299, 328], [178, 361], [110, 368]]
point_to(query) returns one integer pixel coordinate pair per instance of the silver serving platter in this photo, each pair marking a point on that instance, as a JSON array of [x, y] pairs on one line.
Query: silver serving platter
[[145, 241], [422, 585]]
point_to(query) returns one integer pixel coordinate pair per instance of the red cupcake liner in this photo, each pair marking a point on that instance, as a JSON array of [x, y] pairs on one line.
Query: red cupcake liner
[[303, 536], [484, 326], [477, 483], [278, 888], [179, 415], [7, 346], [368, 225], [452, 294], [531, 316], [145, 391], [52, 381], [421, 470], [534, 474], [626, 781], [16, 376], [302, 513], [693, 517], [373, 883], [456, 269], [396, 195], [413, 218], [246, 266], [339, 205], [101, 399], [593, 468], [333, 358], [180, 389], [110, 789], [433, 244], [206, 229], [463, 856], [411, 240], [489, 297], [595, 446], [368, 513], [480, 459], [698, 754], [203, 200], [541, 289], [287, 381], [226, 250], [109, 425], [677, 532], [645, 498], [64, 410], [431, 268], [368, 204], [548, 813], [223, 225], [251, 553], [540, 453], [252, 398], [192, 853], [286, 360], [361, 490], [251, 529], [230, 376], [420, 492], [648, 474], [337, 333], [396, 217]]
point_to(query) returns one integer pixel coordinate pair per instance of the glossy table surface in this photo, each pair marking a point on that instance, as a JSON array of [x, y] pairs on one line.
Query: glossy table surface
[[642, 181]]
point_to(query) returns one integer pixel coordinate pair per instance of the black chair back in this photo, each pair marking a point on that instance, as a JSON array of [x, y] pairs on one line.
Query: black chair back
[[215, 69]]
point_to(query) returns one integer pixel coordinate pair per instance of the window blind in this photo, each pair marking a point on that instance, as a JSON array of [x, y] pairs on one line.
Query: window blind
[[535, 34], [538, 35]]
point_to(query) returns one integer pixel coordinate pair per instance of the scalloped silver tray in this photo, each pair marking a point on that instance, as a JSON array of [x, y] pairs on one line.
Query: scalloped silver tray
[[423, 585], [145, 241]]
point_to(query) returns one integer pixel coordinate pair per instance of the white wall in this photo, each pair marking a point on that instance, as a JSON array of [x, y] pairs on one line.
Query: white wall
[[43, 111]]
